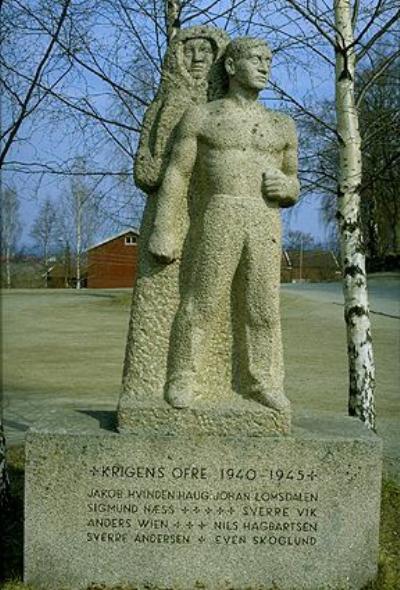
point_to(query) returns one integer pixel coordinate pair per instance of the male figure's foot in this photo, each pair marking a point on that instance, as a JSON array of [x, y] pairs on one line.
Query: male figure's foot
[[179, 395], [276, 400]]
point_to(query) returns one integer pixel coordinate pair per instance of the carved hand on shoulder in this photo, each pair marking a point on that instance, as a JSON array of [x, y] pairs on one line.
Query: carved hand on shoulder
[[163, 246]]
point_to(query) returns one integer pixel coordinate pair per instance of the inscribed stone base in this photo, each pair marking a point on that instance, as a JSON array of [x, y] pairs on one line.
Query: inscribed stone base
[[181, 512]]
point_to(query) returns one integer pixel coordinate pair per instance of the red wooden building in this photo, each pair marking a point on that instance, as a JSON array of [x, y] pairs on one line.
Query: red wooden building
[[113, 262], [313, 266]]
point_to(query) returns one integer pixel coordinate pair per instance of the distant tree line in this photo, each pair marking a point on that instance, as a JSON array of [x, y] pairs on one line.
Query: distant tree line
[[61, 232]]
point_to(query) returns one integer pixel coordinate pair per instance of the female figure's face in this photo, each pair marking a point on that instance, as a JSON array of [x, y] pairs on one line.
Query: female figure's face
[[198, 57]]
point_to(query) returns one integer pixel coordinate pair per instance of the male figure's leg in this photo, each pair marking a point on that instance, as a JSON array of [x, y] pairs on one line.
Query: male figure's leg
[[262, 323], [215, 259]]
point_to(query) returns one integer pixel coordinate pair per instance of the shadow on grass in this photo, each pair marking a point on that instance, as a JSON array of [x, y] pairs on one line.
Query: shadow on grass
[[12, 551]]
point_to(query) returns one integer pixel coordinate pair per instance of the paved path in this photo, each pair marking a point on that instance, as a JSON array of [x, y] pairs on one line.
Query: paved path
[[21, 414], [384, 293]]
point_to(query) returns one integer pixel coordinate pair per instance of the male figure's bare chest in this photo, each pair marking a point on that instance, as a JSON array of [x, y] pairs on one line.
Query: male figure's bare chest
[[242, 130]]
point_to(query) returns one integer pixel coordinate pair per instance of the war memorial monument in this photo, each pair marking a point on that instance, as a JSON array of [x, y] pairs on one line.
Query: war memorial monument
[[206, 480]]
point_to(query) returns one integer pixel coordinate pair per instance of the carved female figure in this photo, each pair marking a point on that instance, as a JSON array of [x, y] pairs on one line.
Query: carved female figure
[[192, 73]]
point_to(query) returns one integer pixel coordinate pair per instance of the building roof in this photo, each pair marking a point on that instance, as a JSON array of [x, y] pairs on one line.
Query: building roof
[[125, 232], [312, 258]]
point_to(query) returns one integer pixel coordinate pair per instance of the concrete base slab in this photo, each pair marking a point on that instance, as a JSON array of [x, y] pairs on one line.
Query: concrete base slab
[[183, 512], [224, 418]]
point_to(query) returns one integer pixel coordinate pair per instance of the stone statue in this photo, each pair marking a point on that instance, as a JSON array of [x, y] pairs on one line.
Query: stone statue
[[192, 73], [233, 165]]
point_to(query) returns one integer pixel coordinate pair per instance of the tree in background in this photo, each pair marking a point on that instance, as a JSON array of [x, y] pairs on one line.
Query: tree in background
[[298, 240], [45, 232], [40, 59], [82, 217], [10, 228], [351, 32], [380, 150], [380, 190]]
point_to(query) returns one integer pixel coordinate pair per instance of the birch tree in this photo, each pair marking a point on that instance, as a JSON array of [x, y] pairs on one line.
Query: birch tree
[[172, 18], [79, 204], [336, 27], [10, 228], [380, 132], [25, 99], [45, 231], [358, 325], [83, 217]]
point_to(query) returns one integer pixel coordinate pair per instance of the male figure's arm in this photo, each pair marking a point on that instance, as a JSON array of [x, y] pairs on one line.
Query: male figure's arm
[[172, 195], [282, 185]]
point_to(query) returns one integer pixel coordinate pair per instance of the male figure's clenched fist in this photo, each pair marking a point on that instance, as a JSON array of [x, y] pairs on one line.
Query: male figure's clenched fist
[[276, 186]]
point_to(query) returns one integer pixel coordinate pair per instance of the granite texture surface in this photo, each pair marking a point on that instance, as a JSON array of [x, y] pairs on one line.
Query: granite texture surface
[[244, 417], [186, 511], [217, 167], [156, 294]]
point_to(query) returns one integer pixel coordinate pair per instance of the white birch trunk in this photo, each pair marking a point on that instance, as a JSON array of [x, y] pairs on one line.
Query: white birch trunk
[[46, 265], [172, 8], [8, 267], [359, 342], [78, 239]]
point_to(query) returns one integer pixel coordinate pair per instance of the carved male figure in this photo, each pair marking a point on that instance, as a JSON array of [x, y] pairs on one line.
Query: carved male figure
[[243, 159]]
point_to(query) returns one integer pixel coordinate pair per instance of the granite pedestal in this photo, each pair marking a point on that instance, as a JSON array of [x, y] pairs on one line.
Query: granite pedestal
[[195, 510]]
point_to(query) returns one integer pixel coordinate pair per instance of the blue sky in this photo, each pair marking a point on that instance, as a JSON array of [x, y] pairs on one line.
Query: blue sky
[[52, 141]]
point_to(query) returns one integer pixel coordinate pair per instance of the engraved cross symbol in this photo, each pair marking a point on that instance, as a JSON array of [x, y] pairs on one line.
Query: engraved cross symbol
[[208, 510], [177, 525], [185, 509], [196, 509], [202, 525], [189, 525], [231, 510], [220, 510]]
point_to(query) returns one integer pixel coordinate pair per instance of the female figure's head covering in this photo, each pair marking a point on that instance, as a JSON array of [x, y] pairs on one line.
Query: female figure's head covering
[[179, 88]]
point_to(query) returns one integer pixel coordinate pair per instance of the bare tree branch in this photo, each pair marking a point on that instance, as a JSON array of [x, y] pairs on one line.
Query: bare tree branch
[[86, 66], [42, 168], [36, 77], [379, 33], [74, 105], [313, 20], [354, 16], [302, 108], [367, 26], [376, 75]]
